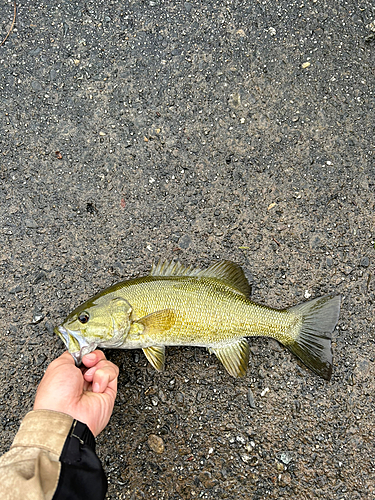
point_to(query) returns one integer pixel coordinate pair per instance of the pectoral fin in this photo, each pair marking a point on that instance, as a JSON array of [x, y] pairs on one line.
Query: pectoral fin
[[235, 357], [158, 321], [156, 356]]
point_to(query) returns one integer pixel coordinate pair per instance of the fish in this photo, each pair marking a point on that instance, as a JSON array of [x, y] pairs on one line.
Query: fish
[[176, 305]]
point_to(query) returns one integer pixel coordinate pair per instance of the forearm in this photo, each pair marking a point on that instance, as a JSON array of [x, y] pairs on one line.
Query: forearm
[[52, 457]]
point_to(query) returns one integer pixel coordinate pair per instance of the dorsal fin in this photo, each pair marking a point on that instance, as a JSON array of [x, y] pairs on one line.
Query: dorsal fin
[[227, 272], [165, 268]]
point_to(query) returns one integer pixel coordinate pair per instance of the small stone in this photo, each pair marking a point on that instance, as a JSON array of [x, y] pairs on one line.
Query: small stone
[[36, 85], [41, 276], [249, 459], [317, 240], [40, 359], [35, 52], [184, 242], [363, 367], [154, 400], [162, 396], [37, 317], [49, 327], [285, 457], [250, 398], [329, 261], [261, 373], [286, 479], [155, 443], [179, 397], [365, 262], [235, 98], [347, 270], [31, 224], [188, 6], [205, 478]]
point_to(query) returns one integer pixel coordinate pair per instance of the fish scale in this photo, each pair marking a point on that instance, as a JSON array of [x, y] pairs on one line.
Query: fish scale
[[220, 318], [183, 306]]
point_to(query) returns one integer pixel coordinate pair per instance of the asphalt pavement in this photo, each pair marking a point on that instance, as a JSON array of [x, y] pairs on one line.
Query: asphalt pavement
[[244, 130]]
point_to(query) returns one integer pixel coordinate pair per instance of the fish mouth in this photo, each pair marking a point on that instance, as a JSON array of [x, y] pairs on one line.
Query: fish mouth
[[75, 343]]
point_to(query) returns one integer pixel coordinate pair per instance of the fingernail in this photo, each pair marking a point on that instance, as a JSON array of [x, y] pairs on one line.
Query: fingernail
[[90, 357], [96, 387]]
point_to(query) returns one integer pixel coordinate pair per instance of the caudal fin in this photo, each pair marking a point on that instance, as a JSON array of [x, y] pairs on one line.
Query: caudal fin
[[312, 345]]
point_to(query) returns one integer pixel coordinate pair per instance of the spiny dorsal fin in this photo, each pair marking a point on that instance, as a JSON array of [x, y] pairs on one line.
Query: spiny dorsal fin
[[235, 357], [165, 268], [227, 272], [156, 356]]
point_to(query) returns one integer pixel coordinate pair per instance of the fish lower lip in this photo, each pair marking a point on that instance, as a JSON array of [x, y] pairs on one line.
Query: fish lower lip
[[63, 334], [85, 347], [77, 356]]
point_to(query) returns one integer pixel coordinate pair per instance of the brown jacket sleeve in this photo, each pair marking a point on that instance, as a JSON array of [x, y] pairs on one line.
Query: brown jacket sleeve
[[31, 468], [52, 458]]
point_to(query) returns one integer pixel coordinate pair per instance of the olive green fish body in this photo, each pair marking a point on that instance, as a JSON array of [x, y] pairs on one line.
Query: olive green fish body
[[178, 306], [206, 313]]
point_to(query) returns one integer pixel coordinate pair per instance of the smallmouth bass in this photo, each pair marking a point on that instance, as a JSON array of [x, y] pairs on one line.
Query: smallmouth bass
[[182, 306]]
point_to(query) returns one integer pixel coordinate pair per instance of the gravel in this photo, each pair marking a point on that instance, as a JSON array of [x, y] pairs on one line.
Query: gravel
[[133, 131]]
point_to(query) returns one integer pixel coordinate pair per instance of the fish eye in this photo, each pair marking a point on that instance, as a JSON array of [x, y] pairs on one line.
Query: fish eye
[[84, 317]]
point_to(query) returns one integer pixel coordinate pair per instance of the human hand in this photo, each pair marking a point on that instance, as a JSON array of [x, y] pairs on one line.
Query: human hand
[[87, 393]]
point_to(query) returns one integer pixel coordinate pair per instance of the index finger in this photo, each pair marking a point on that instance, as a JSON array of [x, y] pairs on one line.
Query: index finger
[[63, 359]]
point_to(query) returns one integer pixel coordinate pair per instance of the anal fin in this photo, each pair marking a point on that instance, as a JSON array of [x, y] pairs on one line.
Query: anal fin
[[156, 356], [235, 357]]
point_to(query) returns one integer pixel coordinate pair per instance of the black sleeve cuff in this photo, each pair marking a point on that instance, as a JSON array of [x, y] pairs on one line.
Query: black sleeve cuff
[[82, 474]]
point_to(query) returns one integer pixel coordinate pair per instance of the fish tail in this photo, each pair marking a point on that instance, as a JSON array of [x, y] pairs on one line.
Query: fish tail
[[313, 332]]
